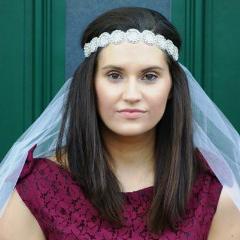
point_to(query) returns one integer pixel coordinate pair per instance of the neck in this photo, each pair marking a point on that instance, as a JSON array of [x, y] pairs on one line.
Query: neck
[[131, 153]]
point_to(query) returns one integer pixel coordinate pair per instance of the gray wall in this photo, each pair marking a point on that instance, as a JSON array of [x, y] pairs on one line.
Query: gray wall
[[80, 13]]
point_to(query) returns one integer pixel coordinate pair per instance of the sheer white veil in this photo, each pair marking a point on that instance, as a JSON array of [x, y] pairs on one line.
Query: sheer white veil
[[214, 136]]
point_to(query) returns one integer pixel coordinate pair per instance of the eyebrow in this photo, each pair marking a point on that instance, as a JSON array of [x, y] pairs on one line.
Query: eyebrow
[[120, 68]]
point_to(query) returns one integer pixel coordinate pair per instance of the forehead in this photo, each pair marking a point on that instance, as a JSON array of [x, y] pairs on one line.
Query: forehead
[[128, 53]]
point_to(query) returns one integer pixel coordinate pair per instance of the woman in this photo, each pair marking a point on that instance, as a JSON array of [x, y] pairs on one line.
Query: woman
[[125, 165]]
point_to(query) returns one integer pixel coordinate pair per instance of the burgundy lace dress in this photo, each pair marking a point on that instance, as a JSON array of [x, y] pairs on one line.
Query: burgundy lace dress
[[64, 213]]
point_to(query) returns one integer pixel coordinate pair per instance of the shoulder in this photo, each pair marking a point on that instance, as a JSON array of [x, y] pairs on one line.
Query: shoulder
[[18, 222], [226, 221]]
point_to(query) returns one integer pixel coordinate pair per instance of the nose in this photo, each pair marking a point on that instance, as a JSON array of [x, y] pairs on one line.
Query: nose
[[132, 92]]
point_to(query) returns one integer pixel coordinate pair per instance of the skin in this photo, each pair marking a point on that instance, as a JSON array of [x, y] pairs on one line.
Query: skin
[[131, 141], [226, 221]]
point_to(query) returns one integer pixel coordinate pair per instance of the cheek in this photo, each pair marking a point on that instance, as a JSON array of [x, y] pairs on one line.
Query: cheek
[[105, 99], [157, 108], [157, 105]]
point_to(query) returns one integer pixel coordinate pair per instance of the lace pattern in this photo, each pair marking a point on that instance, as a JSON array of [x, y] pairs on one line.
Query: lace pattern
[[64, 213]]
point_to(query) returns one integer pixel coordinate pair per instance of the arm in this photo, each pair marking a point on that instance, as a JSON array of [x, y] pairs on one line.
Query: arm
[[18, 222], [226, 221]]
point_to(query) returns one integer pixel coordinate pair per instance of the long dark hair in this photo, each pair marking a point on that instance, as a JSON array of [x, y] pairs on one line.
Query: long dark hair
[[176, 166]]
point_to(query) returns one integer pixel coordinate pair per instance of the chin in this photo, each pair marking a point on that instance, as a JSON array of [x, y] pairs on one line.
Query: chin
[[130, 132]]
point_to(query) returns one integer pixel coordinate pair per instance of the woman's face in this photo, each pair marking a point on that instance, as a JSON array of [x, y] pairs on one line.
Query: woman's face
[[131, 76]]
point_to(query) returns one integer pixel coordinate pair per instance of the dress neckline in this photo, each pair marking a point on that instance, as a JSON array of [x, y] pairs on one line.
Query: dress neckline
[[144, 190]]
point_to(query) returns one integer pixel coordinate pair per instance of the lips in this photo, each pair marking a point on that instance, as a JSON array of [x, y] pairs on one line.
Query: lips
[[132, 110], [131, 115]]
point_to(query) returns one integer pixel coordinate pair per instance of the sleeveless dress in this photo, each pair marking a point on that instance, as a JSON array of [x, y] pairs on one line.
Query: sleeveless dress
[[64, 213]]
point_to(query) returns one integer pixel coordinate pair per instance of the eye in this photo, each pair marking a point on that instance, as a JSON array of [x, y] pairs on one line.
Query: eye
[[116, 76], [113, 75], [151, 77]]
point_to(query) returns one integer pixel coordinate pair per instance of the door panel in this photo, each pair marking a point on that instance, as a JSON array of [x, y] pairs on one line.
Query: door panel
[[32, 62], [211, 33]]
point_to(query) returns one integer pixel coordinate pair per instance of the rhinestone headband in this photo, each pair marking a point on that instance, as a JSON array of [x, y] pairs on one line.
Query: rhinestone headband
[[133, 36]]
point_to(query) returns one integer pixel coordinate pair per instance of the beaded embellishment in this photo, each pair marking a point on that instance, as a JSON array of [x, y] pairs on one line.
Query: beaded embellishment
[[133, 36]]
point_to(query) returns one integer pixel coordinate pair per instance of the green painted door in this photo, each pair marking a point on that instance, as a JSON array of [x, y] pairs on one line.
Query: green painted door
[[211, 35], [32, 47]]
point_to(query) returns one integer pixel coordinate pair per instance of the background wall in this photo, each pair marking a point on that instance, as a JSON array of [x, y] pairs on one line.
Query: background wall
[[39, 51]]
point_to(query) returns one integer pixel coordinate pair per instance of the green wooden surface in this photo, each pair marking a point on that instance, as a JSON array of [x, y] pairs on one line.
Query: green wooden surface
[[32, 47], [32, 62], [210, 32]]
